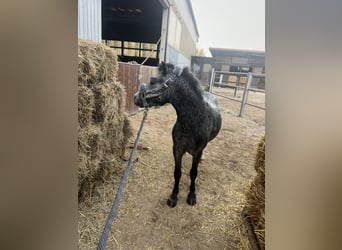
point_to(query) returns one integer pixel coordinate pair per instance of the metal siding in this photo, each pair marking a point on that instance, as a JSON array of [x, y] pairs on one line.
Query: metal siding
[[171, 55], [164, 35], [128, 75], [176, 57], [89, 20], [187, 44], [181, 54], [183, 9]]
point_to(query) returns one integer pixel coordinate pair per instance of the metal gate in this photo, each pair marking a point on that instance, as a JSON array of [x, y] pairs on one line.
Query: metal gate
[[131, 75], [245, 89]]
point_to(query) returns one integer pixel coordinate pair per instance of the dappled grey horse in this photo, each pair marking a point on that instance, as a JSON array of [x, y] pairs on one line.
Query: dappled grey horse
[[198, 117]]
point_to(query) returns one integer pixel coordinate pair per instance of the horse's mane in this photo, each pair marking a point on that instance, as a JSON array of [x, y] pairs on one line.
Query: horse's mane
[[189, 78], [192, 81]]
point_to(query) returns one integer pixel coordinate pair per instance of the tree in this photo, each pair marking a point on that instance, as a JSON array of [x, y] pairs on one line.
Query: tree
[[200, 52]]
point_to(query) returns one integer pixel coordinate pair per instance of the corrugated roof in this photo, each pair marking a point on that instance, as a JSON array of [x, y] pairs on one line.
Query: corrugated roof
[[236, 52]]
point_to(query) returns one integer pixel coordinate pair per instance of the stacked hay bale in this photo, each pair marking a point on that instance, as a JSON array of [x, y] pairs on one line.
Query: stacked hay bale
[[254, 211], [104, 128]]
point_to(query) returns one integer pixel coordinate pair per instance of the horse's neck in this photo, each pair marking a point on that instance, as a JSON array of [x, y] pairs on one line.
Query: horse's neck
[[188, 105]]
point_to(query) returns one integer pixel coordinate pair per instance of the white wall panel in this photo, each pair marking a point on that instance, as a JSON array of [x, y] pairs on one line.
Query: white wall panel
[[182, 8], [89, 20]]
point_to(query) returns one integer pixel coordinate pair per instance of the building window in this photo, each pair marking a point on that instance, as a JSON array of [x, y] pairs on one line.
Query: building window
[[240, 69], [133, 49]]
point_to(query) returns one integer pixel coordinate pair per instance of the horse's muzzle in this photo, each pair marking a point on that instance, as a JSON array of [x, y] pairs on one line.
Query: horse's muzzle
[[140, 96], [144, 97]]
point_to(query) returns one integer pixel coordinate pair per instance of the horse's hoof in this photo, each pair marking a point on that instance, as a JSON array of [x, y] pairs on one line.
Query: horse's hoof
[[172, 202], [191, 199]]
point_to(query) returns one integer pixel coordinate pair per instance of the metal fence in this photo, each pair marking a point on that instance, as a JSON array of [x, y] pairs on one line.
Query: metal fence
[[237, 86]]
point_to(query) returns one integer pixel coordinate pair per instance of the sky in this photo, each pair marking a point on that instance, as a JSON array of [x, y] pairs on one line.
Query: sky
[[235, 24]]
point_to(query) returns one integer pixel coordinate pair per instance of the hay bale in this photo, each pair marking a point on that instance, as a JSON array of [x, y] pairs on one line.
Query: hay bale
[[96, 63], [254, 211], [85, 105], [104, 128]]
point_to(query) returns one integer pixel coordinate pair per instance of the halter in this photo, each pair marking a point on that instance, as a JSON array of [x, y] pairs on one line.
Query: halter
[[149, 94], [176, 72]]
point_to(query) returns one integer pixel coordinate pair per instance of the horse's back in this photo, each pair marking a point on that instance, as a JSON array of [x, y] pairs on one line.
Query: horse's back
[[211, 100], [217, 120]]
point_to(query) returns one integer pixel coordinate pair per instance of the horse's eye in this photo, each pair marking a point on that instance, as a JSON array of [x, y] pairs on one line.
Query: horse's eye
[[153, 80]]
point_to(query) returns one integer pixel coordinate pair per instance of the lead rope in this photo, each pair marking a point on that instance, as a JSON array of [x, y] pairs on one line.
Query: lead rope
[[113, 211], [156, 46]]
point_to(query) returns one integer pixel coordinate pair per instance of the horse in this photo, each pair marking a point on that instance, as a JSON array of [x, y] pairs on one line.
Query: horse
[[198, 117]]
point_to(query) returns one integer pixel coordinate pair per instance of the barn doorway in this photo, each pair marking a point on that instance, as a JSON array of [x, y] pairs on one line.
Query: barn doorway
[[133, 28]]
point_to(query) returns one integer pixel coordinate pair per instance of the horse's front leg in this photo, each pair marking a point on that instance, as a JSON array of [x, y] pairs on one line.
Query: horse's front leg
[[178, 155], [193, 174]]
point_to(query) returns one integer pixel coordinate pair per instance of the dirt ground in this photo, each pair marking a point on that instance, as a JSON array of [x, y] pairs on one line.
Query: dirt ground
[[144, 221]]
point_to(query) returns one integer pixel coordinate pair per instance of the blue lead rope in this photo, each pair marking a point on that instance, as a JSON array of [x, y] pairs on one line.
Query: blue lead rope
[[113, 211]]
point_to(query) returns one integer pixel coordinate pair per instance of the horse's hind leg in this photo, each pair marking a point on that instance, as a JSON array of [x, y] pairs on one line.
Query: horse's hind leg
[[178, 155], [193, 174]]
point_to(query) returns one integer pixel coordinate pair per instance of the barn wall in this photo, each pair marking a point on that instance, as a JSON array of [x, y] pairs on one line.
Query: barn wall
[[187, 44], [201, 67], [182, 34], [241, 61], [182, 8], [89, 20], [175, 57]]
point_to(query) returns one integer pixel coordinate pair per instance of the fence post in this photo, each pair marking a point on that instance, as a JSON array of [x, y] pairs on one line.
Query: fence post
[[211, 79], [237, 85], [245, 93]]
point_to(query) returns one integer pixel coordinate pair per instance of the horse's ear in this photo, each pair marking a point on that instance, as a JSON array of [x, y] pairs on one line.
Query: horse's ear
[[162, 68], [178, 70]]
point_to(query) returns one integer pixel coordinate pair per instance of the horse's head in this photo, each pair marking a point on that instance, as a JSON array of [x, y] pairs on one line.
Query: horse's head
[[157, 91]]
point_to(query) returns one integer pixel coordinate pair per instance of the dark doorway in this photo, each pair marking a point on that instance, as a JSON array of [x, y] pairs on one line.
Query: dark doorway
[[133, 29]]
